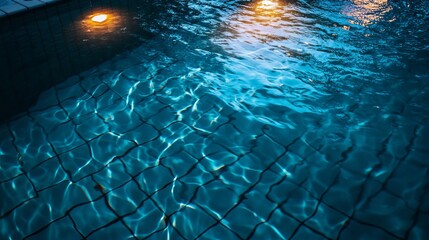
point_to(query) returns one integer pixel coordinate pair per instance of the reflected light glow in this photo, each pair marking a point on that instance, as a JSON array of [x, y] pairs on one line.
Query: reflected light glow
[[367, 12], [258, 22], [268, 4], [99, 18], [269, 8], [101, 21]]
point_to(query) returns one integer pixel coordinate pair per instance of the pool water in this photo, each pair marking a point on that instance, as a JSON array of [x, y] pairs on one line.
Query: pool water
[[240, 119]]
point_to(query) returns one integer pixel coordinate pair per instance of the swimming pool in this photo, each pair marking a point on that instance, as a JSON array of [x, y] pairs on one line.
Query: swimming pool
[[236, 120]]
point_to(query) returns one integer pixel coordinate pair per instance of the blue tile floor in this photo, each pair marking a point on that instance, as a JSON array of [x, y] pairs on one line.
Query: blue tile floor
[[139, 148], [103, 154]]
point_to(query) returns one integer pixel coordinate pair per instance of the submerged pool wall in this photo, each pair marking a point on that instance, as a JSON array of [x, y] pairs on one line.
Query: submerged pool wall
[[44, 46]]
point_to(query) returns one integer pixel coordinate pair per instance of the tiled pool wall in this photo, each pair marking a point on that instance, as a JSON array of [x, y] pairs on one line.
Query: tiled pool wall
[[41, 48]]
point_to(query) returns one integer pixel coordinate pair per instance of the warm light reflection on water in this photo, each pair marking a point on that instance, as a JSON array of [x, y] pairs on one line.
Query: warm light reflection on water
[[367, 12], [260, 21], [268, 10], [102, 21], [99, 18], [265, 38]]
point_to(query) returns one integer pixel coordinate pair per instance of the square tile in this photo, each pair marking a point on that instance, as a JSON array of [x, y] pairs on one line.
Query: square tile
[[219, 231], [217, 198], [109, 146], [125, 205], [300, 204], [122, 121], [94, 86], [420, 229], [31, 142], [146, 220], [60, 229], [349, 186], [242, 220], [138, 159], [92, 216], [240, 177], [148, 107], [283, 224], [14, 192], [383, 204], [361, 161], [216, 161], [355, 229], [112, 176], [197, 176], [174, 197], [79, 162], [306, 233], [327, 221], [142, 134], [166, 233], [50, 118], [64, 196], [64, 137], [74, 92], [114, 231], [9, 163], [179, 163], [257, 202], [163, 118], [154, 179], [408, 181], [244, 124], [47, 174], [233, 140], [296, 169], [90, 126], [281, 191], [28, 218], [266, 231], [191, 221], [79, 107], [267, 150]]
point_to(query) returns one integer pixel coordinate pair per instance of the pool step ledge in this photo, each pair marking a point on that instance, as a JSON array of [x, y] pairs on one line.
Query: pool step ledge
[[11, 7]]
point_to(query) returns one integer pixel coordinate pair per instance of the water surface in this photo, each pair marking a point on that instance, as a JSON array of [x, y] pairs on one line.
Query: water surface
[[240, 119]]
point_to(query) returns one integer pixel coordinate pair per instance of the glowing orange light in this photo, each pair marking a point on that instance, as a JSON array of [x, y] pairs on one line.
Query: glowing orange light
[[268, 4], [99, 18], [102, 24], [268, 8]]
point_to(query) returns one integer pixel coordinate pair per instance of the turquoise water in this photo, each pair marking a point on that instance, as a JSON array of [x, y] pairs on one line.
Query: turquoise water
[[244, 119]]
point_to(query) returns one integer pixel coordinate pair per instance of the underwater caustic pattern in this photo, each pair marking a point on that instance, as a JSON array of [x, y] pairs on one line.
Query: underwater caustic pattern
[[239, 120]]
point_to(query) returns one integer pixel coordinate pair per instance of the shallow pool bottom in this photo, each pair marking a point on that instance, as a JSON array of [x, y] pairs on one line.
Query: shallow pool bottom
[[107, 154]]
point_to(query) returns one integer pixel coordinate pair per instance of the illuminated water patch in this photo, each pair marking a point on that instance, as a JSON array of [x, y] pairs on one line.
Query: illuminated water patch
[[99, 18]]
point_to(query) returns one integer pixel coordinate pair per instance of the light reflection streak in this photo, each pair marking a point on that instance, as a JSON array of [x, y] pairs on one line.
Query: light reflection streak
[[367, 12], [266, 12], [268, 8], [259, 22]]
